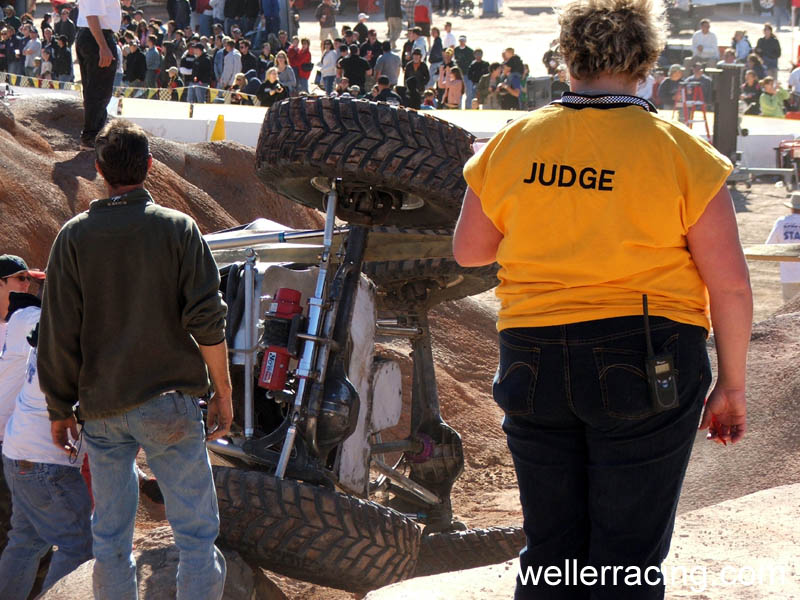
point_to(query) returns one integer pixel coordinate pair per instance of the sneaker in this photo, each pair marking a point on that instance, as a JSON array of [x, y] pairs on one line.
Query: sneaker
[[148, 487]]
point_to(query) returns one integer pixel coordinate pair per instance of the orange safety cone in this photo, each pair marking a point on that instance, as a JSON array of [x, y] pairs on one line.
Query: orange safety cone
[[218, 134]]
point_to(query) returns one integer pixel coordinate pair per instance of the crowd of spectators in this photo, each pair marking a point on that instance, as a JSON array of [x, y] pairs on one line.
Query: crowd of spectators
[[44, 52], [236, 45], [668, 85]]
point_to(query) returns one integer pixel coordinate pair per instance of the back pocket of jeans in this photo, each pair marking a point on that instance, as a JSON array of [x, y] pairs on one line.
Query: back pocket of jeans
[[515, 380], [623, 380]]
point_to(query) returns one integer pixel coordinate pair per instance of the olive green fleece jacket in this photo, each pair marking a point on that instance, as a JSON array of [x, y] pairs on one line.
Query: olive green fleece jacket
[[131, 291]]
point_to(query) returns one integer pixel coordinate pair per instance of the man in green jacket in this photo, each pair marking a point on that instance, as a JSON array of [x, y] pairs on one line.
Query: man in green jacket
[[132, 326]]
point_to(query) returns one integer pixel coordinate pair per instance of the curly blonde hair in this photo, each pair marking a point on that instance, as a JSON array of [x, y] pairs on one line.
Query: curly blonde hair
[[611, 36]]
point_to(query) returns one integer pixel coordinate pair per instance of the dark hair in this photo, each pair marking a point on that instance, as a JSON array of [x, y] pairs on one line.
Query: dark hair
[[122, 152], [152, 38], [386, 47], [493, 66], [354, 48], [244, 42]]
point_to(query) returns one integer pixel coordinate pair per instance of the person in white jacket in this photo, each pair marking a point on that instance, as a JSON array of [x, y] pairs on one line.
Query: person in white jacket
[[231, 64], [327, 66]]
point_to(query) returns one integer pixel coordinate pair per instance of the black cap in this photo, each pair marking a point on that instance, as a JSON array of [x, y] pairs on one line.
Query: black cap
[[11, 265], [199, 46]]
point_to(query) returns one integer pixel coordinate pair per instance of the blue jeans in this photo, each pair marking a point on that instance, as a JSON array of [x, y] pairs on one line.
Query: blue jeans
[[434, 71], [198, 93], [202, 22], [170, 430], [230, 22], [328, 82], [51, 507], [470, 88], [599, 468]]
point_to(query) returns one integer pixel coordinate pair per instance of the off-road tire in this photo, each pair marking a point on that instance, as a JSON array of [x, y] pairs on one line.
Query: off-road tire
[[408, 284], [369, 143], [312, 533], [458, 550], [762, 6]]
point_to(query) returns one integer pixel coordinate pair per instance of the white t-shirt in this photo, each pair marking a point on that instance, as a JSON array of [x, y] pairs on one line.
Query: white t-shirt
[[794, 80], [709, 43], [27, 434], [448, 40], [787, 231], [14, 350], [645, 89], [108, 12]]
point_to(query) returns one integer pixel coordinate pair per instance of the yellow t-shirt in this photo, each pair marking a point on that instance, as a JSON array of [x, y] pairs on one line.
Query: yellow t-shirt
[[594, 206]]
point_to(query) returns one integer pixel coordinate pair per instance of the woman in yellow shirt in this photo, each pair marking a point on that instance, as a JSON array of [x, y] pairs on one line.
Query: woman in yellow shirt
[[590, 205]]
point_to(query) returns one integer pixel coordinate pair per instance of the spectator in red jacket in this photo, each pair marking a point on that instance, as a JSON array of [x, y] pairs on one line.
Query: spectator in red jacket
[[300, 61]]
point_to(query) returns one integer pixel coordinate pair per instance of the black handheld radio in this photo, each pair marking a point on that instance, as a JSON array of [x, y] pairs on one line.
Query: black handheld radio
[[660, 371]]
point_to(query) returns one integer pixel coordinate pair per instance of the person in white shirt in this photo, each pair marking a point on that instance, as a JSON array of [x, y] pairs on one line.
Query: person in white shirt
[[15, 279], [231, 65], [794, 83], [50, 501], [645, 89], [704, 43], [15, 276], [787, 231], [448, 39], [97, 59]]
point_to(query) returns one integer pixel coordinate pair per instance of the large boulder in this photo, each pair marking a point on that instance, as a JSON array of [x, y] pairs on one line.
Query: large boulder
[[157, 564]]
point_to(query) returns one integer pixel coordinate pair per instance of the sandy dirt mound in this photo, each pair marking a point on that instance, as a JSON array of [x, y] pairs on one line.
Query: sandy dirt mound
[[46, 181]]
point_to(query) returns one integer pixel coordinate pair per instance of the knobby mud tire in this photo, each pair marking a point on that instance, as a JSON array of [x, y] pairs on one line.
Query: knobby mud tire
[[458, 550], [367, 143], [312, 533]]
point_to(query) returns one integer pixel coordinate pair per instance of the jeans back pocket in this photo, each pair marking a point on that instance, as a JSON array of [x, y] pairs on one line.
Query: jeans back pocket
[[623, 382], [514, 382]]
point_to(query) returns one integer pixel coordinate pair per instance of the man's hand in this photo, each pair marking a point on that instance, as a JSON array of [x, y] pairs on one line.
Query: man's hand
[[219, 416], [725, 415], [97, 33], [58, 431], [105, 56]]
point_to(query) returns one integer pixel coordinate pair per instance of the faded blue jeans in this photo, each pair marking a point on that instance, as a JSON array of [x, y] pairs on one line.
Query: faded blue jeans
[[51, 507], [599, 468], [170, 430]]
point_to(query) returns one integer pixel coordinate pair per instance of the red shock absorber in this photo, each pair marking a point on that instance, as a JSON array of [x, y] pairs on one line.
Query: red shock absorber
[[277, 326]]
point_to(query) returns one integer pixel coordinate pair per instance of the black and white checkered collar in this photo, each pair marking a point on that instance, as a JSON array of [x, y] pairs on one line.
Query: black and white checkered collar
[[579, 101]]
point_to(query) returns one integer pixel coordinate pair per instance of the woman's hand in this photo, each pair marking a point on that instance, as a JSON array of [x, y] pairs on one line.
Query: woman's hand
[[725, 415]]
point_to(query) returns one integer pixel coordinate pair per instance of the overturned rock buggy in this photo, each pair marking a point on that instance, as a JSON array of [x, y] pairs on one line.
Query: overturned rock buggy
[[309, 483]]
